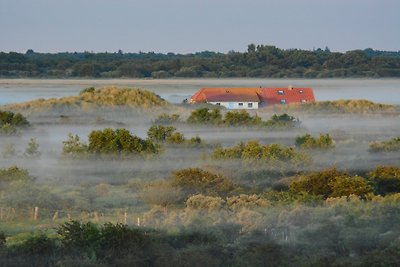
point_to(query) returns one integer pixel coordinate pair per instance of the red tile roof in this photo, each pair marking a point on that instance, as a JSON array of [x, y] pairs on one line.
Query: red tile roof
[[266, 96]]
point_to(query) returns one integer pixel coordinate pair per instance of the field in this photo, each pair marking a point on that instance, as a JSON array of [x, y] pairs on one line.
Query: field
[[202, 187]]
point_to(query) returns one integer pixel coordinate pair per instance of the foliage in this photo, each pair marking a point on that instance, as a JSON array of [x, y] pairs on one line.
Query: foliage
[[385, 179], [262, 61], [119, 141], [198, 181], [160, 133], [309, 142], [254, 151], [12, 119], [74, 146], [205, 116], [13, 174], [239, 118], [385, 146], [281, 121], [167, 119], [330, 183]]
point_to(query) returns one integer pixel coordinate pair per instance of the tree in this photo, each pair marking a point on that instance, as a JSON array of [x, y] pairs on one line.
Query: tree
[[385, 179]]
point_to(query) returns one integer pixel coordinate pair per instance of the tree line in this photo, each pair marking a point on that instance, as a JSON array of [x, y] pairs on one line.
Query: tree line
[[257, 61]]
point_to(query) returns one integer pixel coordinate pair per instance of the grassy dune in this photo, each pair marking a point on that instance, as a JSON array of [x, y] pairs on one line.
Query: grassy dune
[[107, 97]]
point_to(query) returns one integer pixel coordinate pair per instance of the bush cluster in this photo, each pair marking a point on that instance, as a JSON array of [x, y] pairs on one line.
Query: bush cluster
[[9, 122], [307, 141], [254, 151]]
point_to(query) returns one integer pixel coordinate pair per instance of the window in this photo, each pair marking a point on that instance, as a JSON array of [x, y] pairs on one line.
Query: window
[[249, 105], [283, 101], [301, 91], [303, 101], [240, 104], [218, 104], [281, 92]]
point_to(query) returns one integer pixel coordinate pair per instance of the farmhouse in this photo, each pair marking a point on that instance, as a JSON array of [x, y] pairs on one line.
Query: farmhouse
[[252, 98]]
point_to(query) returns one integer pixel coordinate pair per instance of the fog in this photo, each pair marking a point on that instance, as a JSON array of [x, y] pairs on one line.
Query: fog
[[176, 90]]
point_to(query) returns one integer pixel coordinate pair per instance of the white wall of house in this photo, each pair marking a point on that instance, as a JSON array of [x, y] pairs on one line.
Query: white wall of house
[[237, 105]]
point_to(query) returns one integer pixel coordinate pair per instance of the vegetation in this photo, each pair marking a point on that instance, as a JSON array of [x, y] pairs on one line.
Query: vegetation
[[206, 116], [257, 61], [108, 97], [349, 106], [385, 180], [10, 122], [385, 146], [253, 151], [109, 142], [165, 118], [309, 142], [331, 183]]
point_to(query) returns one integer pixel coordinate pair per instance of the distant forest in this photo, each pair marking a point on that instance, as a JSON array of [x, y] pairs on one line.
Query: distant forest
[[257, 61]]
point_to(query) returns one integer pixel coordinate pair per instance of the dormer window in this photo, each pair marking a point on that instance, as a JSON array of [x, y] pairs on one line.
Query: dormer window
[[281, 92], [283, 101], [301, 91], [303, 101]]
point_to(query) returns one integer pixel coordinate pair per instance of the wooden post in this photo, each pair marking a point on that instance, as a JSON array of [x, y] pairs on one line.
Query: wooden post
[[138, 221], [69, 216], [126, 218], [55, 216], [36, 213], [96, 216], [1, 213]]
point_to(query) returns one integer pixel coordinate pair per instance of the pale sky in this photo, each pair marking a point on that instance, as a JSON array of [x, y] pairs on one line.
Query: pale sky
[[184, 26]]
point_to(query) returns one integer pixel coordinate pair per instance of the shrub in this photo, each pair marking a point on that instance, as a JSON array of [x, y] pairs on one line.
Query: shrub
[[198, 181], [385, 179], [74, 146], [202, 202], [7, 129], [309, 142], [167, 119], [13, 119], [205, 116], [14, 174], [385, 146], [281, 121], [239, 118], [253, 151], [119, 141], [159, 133], [330, 183], [176, 138]]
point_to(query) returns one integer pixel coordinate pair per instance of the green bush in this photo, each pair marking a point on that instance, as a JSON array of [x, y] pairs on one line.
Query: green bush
[[281, 121], [160, 133], [167, 119], [119, 141], [198, 181], [330, 183], [254, 151], [8, 117], [385, 179], [308, 142], [241, 118], [205, 116], [74, 146]]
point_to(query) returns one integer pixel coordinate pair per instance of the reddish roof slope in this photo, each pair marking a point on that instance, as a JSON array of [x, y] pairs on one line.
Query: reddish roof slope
[[267, 96]]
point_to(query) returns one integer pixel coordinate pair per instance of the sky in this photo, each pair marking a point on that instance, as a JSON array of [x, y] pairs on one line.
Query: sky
[[186, 26]]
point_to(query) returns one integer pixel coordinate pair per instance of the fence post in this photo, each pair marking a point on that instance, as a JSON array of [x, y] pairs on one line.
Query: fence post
[[138, 221], [125, 218], [36, 213], [55, 216]]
